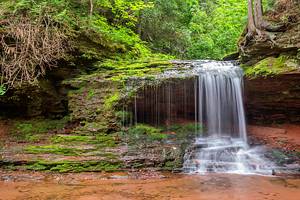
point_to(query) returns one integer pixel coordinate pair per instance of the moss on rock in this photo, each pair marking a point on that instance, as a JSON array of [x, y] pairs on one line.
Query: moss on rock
[[34, 130], [69, 166], [271, 66]]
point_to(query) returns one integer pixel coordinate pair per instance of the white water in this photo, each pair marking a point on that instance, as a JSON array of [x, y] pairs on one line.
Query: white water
[[223, 145], [221, 100]]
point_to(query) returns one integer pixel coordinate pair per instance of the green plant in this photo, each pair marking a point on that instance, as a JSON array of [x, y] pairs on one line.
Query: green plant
[[194, 29], [142, 131], [184, 131], [2, 90]]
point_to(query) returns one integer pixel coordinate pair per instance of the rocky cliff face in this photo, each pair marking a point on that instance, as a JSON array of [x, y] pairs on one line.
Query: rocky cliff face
[[286, 40], [272, 68], [273, 99]]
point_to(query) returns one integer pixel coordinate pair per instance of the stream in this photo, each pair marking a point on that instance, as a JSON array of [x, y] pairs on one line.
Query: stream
[[96, 186]]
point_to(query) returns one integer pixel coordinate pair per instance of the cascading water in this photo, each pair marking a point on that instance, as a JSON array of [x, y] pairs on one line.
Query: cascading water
[[221, 100], [210, 94], [223, 145]]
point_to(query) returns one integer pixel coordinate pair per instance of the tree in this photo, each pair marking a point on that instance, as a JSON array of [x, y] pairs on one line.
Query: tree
[[91, 7], [256, 24], [255, 19]]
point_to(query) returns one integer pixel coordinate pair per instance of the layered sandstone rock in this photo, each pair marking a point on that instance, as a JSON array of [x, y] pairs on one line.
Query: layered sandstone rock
[[273, 99]]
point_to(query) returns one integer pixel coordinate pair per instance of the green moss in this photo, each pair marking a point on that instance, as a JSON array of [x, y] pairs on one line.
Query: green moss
[[31, 130], [54, 149], [146, 132], [104, 141], [111, 101], [121, 69], [92, 128], [272, 66], [72, 166], [36, 167], [100, 140], [90, 94], [70, 139]]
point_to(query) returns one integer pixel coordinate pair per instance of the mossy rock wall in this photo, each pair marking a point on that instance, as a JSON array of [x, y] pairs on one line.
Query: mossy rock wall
[[89, 99]]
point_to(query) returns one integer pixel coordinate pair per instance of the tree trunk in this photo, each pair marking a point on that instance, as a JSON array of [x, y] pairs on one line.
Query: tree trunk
[[91, 7], [258, 13], [251, 23]]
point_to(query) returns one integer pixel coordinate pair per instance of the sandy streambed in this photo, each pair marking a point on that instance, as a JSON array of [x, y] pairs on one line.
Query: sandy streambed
[[95, 186]]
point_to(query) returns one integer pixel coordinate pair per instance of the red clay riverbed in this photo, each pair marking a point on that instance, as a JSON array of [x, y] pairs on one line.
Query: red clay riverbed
[[95, 186]]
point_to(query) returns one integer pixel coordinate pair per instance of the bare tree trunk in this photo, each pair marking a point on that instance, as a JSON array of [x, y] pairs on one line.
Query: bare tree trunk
[[258, 14], [251, 23], [91, 7], [257, 26]]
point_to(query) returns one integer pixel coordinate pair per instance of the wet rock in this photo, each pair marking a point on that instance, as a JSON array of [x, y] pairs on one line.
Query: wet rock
[[160, 156]]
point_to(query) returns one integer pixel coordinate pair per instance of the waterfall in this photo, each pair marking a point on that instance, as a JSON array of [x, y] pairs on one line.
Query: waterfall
[[209, 94], [223, 145], [220, 99]]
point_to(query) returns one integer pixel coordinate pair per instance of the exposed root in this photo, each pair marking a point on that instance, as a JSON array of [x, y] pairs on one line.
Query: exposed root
[[28, 47]]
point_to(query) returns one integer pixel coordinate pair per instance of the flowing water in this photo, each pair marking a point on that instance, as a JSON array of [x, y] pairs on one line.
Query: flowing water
[[211, 94], [93, 186], [223, 148]]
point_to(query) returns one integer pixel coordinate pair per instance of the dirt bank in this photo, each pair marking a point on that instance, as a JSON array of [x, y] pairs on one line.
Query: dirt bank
[[285, 136]]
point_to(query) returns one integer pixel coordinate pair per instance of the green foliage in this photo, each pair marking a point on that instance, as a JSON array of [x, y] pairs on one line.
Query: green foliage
[[125, 12], [106, 32], [215, 30], [142, 131], [185, 28], [115, 31], [2, 90], [193, 29]]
